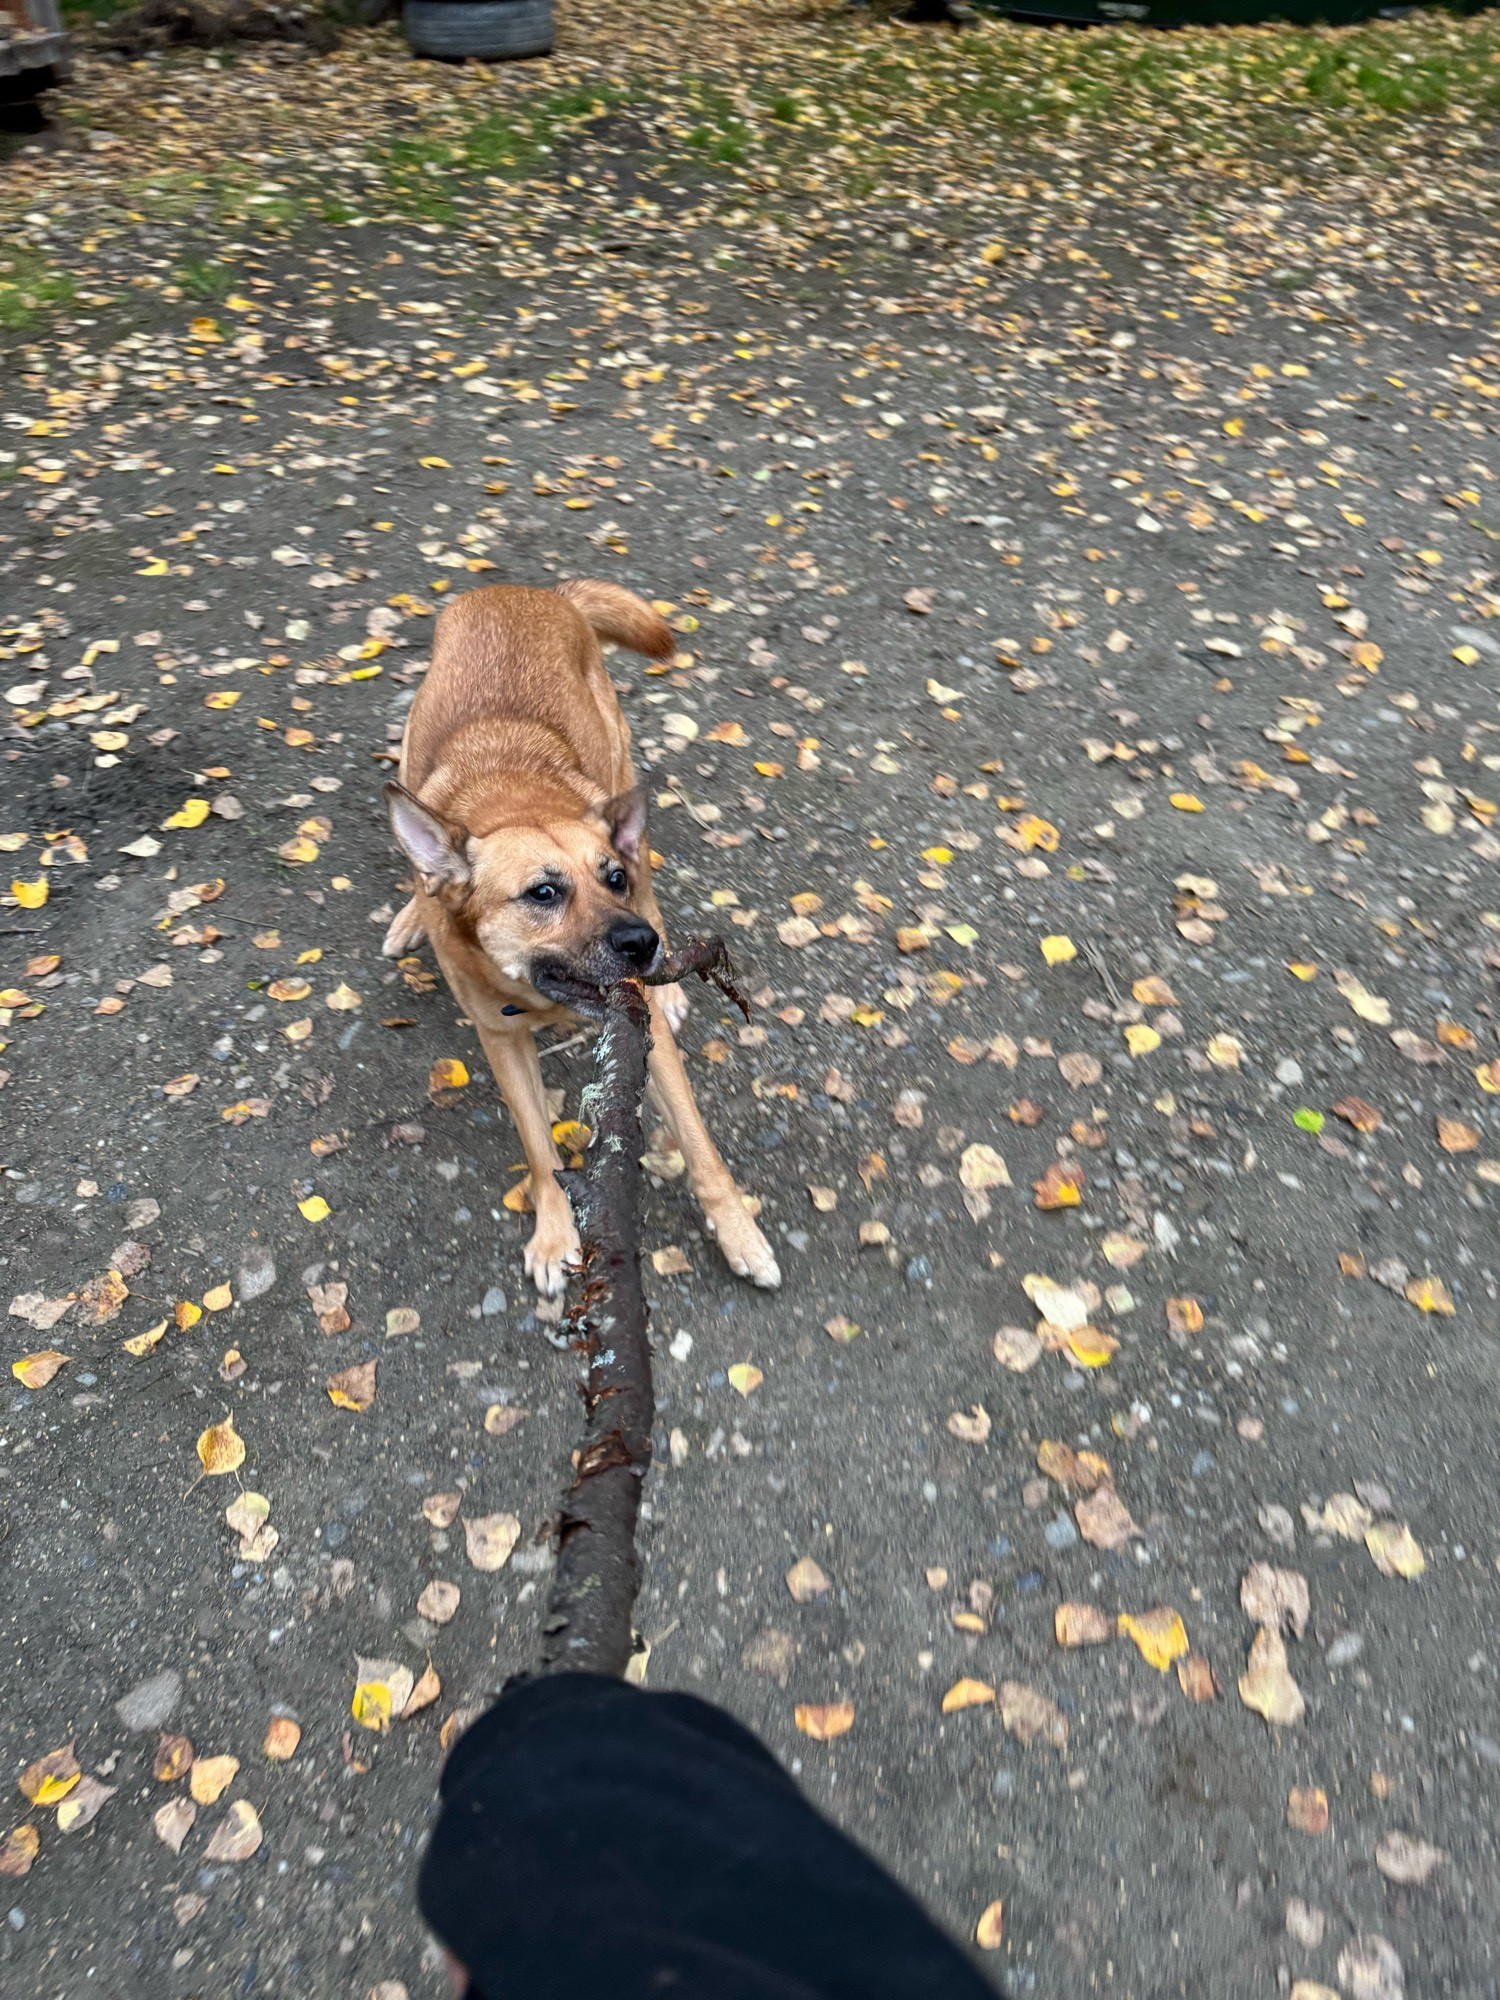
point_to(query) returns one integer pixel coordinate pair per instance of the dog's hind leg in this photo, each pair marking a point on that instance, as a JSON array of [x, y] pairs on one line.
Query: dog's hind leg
[[406, 932]]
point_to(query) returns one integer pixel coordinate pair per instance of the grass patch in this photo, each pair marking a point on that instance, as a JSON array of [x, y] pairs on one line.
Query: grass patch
[[28, 289], [202, 280]]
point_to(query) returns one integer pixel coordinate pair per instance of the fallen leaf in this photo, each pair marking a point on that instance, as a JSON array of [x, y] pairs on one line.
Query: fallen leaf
[[1064, 1306], [1160, 1636], [343, 999], [401, 1320], [313, 1209], [439, 1601], [18, 1851], [237, 1836], [50, 1779], [1060, 1187], [500, 1419], [174, 1822], [1016, 1348], [1355, 1111], [1026, 1714], [823, 1723], [490, 1538], [1079, 1070], [30, 895], [221, 1448], [281, 1739], [1402, 1857], [824, 1199], [806, 1581], [1395, 1550], [967, 1694], [1369, 1006], [1082, 1625], [1104, 1521], [1058, 950], [1142, 1039], [1080, 1471], [381, 1688], [1196, 1678], [353, 1388], [82, 1804], [218, 1299], [174, 1755], [989, 1932], [670, 1262], [1278, 1598], [842, 1328], [1344, 1515], [35, 1371], [981, 1167], [1090, 1347], [1184, 1316], [447, 1073], [1430, 1295], [440, 1510], [1266, 1686], [1307, 1809], [745, 1377], [1456, 1137], [40, 1311], [181, 1086], [142, 1343], [424, 1694], [211, 1777], [971, 1426], [1369, 1969]]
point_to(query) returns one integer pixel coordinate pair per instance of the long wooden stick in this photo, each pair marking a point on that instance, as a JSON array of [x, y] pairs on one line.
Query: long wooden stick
[[588, 1624]]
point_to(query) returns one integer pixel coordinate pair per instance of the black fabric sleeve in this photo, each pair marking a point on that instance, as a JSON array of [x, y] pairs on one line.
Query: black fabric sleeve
[[596, 1837]]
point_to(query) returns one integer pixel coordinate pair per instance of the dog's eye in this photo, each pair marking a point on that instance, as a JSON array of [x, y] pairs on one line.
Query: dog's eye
[[616, 880], [544, 892]]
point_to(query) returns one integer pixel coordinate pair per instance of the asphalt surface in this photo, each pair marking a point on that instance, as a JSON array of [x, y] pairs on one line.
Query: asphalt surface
[[1150, 563]]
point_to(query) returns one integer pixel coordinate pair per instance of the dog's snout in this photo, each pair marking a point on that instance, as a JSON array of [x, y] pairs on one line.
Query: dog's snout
[[635, 941]]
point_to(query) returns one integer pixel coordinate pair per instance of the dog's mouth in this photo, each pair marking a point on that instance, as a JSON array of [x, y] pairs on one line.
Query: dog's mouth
[[566, 985]]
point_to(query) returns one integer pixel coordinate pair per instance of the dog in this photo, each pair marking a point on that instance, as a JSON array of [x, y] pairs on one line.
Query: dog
[[518, 808]]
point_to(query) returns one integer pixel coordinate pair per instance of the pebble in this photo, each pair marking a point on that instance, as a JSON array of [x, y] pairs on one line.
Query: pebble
[[151, 1704], [1060, 1532], [257, 1272], [493, 1303]]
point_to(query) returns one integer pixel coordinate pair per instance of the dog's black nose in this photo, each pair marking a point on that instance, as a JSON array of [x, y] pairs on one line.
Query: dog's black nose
[[635, 941]]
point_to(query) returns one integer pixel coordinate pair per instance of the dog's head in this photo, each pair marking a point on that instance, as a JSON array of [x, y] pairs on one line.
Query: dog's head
[[547, 899]]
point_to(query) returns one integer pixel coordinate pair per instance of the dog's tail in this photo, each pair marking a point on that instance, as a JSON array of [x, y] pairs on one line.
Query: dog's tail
[[620, 617]]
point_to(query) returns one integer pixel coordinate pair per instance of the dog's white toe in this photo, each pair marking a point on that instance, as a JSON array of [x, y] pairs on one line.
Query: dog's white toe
[[406, 932], [744, 1249], [674, 1006]]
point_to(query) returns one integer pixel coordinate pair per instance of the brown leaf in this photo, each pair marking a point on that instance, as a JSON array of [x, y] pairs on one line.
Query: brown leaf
[[50, 1779], [1356, 1112], [1080, 1070], [1080, 1471], [967, 1693], [1184, 1316], [1307, 1809], [1025, 1112], [1369, 1969], [1104, 1521], [82, 1804], [174, 1822], [1060, 1187], [1082, 1625], [174, 1755], [281, 1739], [102, 1297], [1276, 1597], [1027, 1714], [353, 1388], [1395, 1550], [972, 1426], [806, 1581], [670, 1262], [439, 1601], [1456, 1137], [1196, 1677], [424, 1694], [35, 1371], [1016, 1348], [237, 1836], [440, 1509], [18, 1850]]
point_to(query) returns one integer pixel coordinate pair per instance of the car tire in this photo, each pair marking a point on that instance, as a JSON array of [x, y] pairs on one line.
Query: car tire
[[491, 30]]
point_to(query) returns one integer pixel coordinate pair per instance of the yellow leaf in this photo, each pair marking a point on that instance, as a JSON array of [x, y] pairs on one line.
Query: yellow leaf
[[51, 1777], [142, 1343], [156, 567], [281, 1738], [223, 698], [211, 1777], [314, 1209], [1487, 1076], [1031, 831], [221, 1448], [343, 999], [1160, 1636], [967, 1694], [371, 1706], [30, 895], [989, 1932], [35, 1371], [1186, 802], [1299, 969], [1224, 1051], [1266, 1686], [220, 1297], [1395, 1549], [1369, 1006], [187, 1314], [192, 812], [447, 1073], [1430, 1295], [1141, 1039], [823, 1722], [1092, 1348], [298, 851], [435, 464], [204, 328], [745, 1377], [354, 1388], [1058, 950]]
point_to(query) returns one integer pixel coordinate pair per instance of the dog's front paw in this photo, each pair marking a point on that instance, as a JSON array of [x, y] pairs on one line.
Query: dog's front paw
[[674, 1006], [406, 932], [745, 1250], [550, 1255]]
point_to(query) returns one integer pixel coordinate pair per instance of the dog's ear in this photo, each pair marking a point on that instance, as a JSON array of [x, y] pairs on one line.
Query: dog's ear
[[432, 846], [625, 816]]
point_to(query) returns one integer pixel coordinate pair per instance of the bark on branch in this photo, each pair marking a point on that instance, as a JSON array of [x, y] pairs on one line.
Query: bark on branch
[[588, 1625]]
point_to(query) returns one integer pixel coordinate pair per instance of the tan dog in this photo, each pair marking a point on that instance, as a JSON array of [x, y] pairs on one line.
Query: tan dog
[[520, 814]]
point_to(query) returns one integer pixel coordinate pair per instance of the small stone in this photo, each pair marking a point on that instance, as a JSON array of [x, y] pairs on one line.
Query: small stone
[[1304, 1923], [1344, 1650], [493, 1303], [151, 1704], [1060, 1532], [257, 1272], [1289, 1070]]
